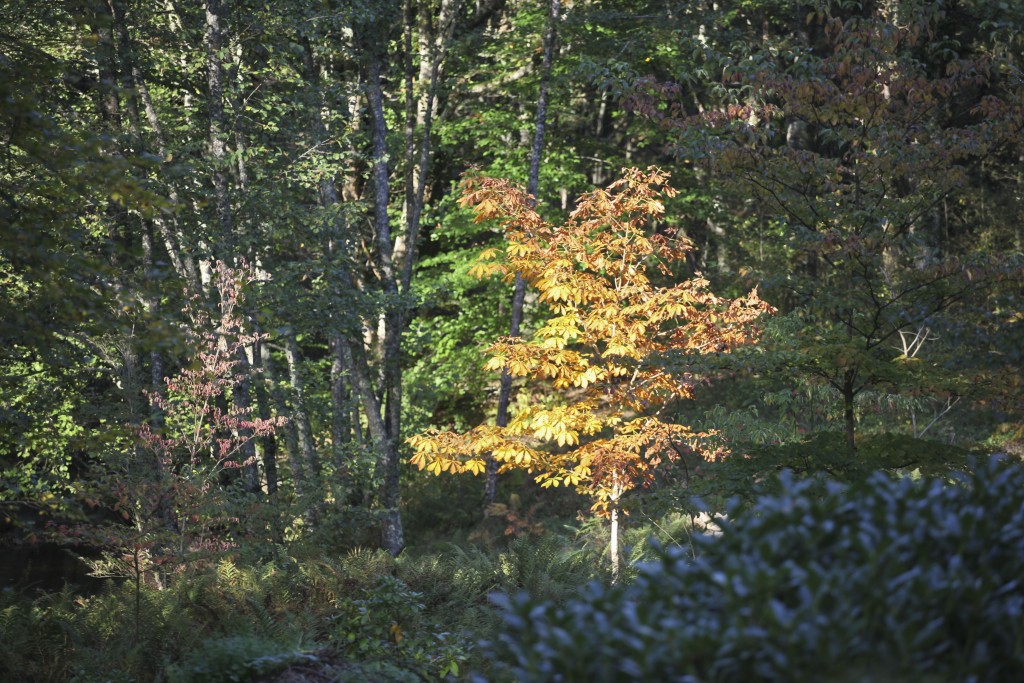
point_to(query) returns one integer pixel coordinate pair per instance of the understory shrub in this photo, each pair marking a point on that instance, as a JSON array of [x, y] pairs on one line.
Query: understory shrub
[[891, 579], [236, 659]]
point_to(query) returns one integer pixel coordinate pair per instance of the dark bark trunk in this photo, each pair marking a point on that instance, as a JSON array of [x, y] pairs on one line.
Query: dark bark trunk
[[387, 463], [303, 429], [291, 439], [533, 181], [337, 252]]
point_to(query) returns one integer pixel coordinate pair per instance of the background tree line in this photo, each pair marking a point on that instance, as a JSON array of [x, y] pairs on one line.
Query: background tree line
[[258, 202]]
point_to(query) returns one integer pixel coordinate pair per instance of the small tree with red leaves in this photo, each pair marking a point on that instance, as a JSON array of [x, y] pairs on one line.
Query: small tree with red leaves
[[174, 486]]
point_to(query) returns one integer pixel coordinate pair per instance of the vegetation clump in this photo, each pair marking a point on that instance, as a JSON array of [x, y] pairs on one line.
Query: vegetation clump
[[895, 578]]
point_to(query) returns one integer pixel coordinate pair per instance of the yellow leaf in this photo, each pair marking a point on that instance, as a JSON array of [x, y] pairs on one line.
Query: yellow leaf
[[484, 210]]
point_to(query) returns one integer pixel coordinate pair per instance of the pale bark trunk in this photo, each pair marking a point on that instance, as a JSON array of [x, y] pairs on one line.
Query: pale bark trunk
[[268, 442], [173, 238], [341, 412], [214, 43], [849, 417], [241, 397], [419, 113], [613, 543]]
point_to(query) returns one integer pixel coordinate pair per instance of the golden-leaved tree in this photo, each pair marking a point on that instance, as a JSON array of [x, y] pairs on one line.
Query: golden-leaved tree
[[608, 325]]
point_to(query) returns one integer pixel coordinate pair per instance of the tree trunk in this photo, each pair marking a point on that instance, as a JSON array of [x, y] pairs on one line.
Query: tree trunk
[[341, 412], [849, 418], [519, 289], [387, 463], [613, 543], [241, 397], [337, 252], [303, 430], [291, 438], [214, 43], [268, 443], [355, 357], [115, 55]]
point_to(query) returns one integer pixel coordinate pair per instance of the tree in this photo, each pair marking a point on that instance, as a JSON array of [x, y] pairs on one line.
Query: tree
[[858, 147], [174, 484], [599, 348]]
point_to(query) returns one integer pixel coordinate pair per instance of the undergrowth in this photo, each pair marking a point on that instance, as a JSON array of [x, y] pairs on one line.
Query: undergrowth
[[356, 615]]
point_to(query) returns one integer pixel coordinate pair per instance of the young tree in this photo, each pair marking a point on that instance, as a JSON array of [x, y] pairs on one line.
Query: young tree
[[200, 438], [599, 348]]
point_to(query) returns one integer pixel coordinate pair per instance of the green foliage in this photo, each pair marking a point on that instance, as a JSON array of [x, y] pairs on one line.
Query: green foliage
[[546, 567], [348, 618], [235, 659], [895, 578], [62, 636], [754, 471]]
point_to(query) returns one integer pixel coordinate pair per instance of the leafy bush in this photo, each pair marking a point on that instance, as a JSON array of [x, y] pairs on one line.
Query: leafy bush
[[753, 474], [386, 625], [886, 580], [236, 659]]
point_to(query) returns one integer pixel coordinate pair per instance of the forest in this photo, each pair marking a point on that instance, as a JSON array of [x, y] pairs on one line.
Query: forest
[[536, 340]]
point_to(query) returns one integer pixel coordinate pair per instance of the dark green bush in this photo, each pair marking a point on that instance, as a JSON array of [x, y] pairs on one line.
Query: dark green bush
[[891, 579], [236, 659]]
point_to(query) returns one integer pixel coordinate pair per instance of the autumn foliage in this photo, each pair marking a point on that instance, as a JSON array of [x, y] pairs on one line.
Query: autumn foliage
[[607, 325]]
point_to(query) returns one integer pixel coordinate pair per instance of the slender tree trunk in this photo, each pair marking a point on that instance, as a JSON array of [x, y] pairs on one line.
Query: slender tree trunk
[[419, 113], [519, 289], [152, 303], [268, 443], [355, 357], [849, 417], [241, 396], [341, 412], [613, 542], [342, 420], [290, 432], [214, 43], [173, 238], [387, 463], [303, 429], [115, 55], [150, 296]]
